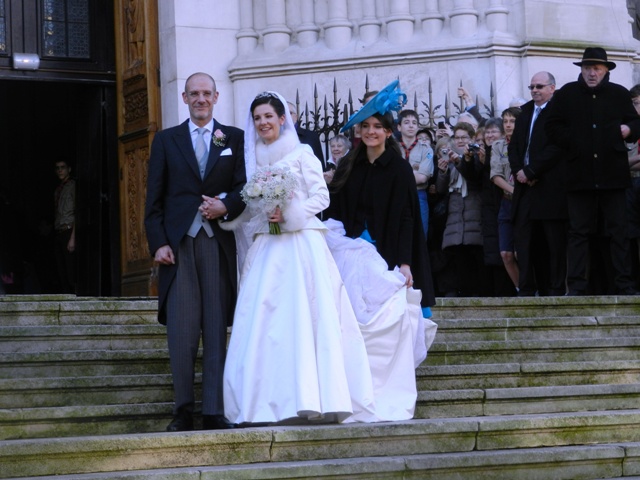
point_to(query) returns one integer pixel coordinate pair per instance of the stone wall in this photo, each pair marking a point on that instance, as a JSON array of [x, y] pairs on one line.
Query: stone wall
[[298, 46]]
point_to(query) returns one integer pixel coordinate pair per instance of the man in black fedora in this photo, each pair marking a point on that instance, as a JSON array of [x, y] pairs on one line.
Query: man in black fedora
[[591, 119]]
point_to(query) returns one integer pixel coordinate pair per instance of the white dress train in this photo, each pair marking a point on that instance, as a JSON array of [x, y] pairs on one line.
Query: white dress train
[[389, 315]]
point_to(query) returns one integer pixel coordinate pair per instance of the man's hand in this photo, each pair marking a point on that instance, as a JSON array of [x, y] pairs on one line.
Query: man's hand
[[625, 131], [71, 244], [212, 207], [521, 177], [164, 255], [465, 95]]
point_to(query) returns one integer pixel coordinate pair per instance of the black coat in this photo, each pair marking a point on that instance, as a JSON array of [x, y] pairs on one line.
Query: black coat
[[311, 138], [586, 123], [547, 166], [175, 189], [491, 197], [397, 227]]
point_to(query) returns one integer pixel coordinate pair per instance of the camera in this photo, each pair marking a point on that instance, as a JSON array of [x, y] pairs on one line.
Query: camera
[[441, 125], [474, 147], [444, 151]]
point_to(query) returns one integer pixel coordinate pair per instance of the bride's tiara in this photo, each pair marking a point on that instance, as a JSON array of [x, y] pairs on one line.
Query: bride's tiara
[[267, 95]]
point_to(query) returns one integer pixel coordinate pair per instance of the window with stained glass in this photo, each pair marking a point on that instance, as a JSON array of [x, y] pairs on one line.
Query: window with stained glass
[[3, 28], [65, 29]]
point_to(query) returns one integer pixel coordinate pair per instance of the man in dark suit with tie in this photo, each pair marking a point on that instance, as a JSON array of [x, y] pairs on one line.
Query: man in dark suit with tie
[[539, 210], [198, 274]]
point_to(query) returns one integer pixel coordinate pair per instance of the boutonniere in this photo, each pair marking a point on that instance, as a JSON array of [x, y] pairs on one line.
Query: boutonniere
[[219, 139]]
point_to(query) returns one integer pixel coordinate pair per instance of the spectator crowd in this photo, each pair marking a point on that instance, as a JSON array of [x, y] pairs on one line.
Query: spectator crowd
[[543, 200]]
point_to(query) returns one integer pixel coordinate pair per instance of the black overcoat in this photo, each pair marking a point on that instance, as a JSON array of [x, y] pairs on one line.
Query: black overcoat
[[586, 123], [397, 224]]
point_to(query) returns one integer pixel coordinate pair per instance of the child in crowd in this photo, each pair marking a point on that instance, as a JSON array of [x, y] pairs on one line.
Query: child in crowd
[[420, 157]]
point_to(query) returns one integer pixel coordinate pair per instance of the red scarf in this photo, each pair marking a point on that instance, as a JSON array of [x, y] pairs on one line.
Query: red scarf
[[407, 151]]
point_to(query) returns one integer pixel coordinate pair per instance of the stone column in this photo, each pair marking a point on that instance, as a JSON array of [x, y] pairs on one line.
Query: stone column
[[369, 26], [399, 22], [277, 35], [464, 19], [432, 20], [247, 36], [496, 16], [337, 30], [308, 30]]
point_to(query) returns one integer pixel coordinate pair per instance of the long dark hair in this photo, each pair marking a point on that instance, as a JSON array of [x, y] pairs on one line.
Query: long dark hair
[[346, 164], [268, 98]]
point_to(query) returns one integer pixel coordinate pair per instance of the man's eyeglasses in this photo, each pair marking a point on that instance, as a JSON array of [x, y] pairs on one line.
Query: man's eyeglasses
[[466, 137], [538, 86]]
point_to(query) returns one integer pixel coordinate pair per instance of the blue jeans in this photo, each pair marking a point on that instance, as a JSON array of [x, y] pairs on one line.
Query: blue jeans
[[424, 210]]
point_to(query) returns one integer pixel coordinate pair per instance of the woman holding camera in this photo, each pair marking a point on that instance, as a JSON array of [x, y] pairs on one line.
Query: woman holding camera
[[460, 175]]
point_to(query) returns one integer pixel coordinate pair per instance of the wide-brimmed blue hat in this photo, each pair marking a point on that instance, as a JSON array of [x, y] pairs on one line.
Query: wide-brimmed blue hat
[[387, 99]]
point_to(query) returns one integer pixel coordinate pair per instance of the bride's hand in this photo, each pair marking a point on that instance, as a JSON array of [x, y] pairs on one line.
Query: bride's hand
[[276, 216], [406, 271]]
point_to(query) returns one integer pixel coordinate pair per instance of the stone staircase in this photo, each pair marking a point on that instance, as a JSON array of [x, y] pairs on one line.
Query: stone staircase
[[537, 388]]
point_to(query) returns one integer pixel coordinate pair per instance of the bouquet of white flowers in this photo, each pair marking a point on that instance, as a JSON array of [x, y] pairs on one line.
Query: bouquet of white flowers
[[273, 187]]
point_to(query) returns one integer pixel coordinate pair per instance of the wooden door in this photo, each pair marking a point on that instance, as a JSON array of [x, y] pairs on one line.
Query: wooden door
[[138, 93]]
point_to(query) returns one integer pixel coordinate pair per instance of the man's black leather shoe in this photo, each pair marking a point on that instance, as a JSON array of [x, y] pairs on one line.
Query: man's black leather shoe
[[182, 422], [574, 293], [216, 422]]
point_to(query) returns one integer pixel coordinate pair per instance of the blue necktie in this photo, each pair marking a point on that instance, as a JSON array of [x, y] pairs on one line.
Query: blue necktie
[[201, 151]]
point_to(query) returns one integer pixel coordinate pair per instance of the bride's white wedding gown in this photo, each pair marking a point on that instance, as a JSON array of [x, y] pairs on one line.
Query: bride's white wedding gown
[[305, 346]]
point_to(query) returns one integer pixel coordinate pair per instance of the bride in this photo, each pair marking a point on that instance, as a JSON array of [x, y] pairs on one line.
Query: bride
[[297, 350]]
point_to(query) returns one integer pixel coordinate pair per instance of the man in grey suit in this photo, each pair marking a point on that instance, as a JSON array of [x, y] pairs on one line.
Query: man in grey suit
[[198, 273]]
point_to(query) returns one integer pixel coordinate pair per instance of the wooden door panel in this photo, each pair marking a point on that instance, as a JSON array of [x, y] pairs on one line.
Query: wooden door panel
[[137, 62]]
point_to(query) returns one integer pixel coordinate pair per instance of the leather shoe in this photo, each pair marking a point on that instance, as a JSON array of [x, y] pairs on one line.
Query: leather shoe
[[216, 422], [574, 293], [182, 422]]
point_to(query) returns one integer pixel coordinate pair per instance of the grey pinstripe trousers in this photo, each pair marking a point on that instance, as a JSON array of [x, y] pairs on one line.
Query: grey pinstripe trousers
[[197, 306]]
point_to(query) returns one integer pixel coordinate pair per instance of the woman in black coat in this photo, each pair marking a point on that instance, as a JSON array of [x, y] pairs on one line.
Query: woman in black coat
[[373, 194]]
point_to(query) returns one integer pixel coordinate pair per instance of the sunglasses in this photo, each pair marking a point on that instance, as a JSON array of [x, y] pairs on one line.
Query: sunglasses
[[538, 86]]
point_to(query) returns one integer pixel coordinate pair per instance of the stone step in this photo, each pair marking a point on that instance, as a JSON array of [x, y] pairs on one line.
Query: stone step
[[526, 400], [77, 419], [83, 363], [87, 337], [542, 328], [153, 335], [576, 463], [50, 310], [530, 307], [538, 351], [99, 390], [83, 420], [511, 375], [64, 456]]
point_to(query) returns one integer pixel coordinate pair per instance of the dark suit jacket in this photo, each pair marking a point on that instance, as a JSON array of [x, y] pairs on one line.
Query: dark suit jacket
[[175, 189], [312, 139], [547, 165]]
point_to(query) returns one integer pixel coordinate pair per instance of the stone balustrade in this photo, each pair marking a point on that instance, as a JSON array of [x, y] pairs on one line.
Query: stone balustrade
[[338, 22]]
